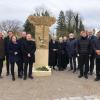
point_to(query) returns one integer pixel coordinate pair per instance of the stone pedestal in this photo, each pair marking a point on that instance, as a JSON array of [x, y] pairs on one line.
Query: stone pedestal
[[41, 57], [42, 24]]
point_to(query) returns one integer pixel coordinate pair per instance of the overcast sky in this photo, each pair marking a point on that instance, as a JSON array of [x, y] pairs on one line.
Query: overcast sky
[[20, 9]]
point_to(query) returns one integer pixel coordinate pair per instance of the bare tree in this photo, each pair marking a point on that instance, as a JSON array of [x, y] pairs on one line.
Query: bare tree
[[69, 18], [42, 11], [74, 22], [11, 25]]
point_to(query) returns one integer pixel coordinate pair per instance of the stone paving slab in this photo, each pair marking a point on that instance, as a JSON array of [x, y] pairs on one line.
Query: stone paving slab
[[81, 98], [59, 86]]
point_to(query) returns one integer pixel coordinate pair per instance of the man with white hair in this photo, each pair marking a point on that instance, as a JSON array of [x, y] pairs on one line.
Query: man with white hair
[[97, 51], [72, 51], [92, 38]]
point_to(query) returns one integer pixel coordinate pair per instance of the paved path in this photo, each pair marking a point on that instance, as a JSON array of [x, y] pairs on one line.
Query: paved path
[[59, 86]]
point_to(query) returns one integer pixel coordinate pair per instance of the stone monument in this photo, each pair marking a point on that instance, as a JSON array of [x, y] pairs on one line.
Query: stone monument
[[42, 24]]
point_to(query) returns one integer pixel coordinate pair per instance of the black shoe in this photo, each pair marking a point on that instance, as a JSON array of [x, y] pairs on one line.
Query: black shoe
[[70, 69], [80, 76], [54, 68], [19, 76], [86, 77], [7, 74], [13, 78], [66, 68], [50, 66], [31, 77], [97, 79], [1, 77], [24, 78], [74, 71], [60, 69], [78, 68], [91, 73]]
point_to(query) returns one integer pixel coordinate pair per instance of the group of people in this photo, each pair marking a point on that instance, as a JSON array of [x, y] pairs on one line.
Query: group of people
[[20, 51], [68, 50]]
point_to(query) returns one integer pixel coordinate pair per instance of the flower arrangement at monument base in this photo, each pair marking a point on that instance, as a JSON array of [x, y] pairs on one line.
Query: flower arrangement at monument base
[[42, 71]]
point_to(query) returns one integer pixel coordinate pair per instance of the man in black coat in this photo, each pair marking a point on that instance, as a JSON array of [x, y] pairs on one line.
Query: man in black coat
[[2, 53], [53, 49], [84, 47], [7, 40], [92, 38], [28, 50], [21, 42], [97, 52]]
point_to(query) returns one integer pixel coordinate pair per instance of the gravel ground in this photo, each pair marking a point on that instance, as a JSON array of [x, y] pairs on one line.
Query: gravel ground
[[59, 86]]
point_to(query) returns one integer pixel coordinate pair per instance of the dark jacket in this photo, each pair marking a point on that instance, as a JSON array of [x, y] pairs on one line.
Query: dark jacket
[[29, 47], [2, 49], [92, 39], [53, 54], [65, 46], [84, 46], [97, 46], [21, 42], [61, 54], [12, 48], [72, 47], [6, 40], [66, 56]]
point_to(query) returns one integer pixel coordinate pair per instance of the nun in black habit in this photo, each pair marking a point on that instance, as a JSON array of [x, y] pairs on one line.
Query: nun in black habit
[[53, 49], [61, 55]]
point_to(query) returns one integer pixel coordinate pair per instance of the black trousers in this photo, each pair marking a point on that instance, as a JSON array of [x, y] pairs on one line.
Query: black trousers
[[22, 67], [78, 63], [7, 64], [72, 61], [1, 66], [91, 67], [26, 67], [66, 61], [13, 66], [98, 67], [84, 64]]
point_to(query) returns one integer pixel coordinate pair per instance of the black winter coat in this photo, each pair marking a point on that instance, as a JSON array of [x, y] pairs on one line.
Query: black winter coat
[[84, 46], [61, 55], [97, 46], [29, 47], [6, 41], [12, 48], [2, 49], [53, 54], [21, 42]]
